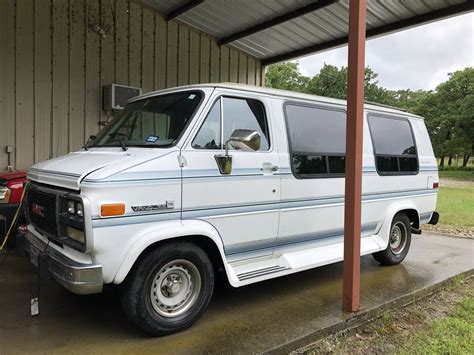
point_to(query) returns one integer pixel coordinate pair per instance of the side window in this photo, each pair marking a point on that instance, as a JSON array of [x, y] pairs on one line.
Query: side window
[[245, 114], [394, 146], [209, 135], [236, 114], [317, 138]]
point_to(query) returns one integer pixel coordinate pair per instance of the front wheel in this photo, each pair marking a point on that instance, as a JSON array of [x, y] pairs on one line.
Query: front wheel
[[169, 288], [399, 242]]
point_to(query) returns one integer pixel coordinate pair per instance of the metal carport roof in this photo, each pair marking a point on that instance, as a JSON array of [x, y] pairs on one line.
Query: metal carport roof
[[277, 30]]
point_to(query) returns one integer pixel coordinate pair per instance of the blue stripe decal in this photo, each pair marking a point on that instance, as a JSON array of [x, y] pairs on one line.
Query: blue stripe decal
[[383, 195], [290, 204], [149, 175], [224, 210], [198, 174], [143, 218], [249, 247], [269, 206]]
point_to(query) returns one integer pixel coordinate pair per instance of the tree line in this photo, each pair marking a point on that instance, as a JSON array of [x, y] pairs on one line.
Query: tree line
[[448, 110]]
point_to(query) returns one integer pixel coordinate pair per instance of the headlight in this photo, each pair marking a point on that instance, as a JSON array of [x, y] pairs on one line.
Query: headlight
[[4, 194], [75, 208], [71, 207], [79, 209]]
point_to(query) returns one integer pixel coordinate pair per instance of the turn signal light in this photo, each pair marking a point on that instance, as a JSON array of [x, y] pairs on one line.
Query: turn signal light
[[113, 209]]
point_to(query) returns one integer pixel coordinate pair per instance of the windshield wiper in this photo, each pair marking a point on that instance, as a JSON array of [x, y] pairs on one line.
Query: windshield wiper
[[91, 139], [124, 147], [122, 136]]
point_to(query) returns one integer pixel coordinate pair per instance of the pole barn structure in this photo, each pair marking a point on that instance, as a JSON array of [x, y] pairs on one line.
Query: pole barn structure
[[56, 55]]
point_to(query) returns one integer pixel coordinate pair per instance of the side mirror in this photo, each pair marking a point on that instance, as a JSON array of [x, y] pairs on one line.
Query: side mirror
[[243, 139]]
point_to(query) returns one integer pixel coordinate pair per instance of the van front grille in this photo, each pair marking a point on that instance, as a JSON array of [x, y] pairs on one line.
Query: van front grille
[[42, 211]]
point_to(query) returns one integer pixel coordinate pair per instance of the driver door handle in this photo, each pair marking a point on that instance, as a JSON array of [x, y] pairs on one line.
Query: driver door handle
[[269, 167]]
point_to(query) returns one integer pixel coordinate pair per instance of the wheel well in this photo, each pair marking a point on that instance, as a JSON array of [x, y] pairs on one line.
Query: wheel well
[[202, 241], [412, 215]]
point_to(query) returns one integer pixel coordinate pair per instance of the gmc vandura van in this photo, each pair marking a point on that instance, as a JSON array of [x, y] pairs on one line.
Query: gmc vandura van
[[189, 181]]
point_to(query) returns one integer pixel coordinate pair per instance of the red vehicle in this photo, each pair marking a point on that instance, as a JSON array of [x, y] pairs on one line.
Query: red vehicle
[[11, 189]]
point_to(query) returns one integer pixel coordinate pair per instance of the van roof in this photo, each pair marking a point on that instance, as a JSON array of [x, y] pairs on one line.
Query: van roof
[[280, 93]]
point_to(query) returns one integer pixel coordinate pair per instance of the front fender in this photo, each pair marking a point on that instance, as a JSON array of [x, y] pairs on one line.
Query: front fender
[[174, 231]]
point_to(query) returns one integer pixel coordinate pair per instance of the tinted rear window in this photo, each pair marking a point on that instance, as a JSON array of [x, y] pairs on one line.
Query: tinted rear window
[[394, 145]]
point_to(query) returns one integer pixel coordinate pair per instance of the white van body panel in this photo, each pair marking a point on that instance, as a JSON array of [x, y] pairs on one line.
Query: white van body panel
[[263, 220]]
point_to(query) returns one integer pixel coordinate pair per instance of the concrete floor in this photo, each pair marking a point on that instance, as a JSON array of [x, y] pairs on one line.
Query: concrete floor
[[253, 319]]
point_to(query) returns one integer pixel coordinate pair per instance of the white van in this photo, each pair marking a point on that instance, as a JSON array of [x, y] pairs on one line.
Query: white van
[[189, 181]]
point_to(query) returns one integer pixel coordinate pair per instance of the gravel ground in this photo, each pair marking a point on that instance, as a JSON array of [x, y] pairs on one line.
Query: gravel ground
[[452, 231], [456, 183]]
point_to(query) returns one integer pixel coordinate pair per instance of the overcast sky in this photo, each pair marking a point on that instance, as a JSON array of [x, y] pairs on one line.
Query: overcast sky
[[418, 58]]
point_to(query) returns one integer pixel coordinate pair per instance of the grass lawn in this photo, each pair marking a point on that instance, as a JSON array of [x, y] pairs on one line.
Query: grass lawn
[[451, 335], [464, 175], [456, 206]]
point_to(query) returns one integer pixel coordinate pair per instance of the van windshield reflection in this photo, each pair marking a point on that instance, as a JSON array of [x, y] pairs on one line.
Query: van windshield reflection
[[151, 122]]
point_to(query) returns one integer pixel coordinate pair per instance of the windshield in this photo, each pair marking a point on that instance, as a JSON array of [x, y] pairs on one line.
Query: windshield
[[152, 122]]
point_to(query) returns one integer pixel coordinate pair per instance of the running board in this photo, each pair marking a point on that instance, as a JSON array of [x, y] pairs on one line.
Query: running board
[[261, 272]]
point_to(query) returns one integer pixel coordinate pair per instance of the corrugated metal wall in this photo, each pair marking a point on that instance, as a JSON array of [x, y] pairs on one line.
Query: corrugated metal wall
[[53, 64]]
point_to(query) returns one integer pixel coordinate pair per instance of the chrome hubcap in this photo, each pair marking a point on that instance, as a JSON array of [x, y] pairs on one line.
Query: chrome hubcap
[[398, 238], [175, 288]]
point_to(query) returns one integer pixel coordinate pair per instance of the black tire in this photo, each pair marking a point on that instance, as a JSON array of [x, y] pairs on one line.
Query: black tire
[[140, 285], [396, 253]]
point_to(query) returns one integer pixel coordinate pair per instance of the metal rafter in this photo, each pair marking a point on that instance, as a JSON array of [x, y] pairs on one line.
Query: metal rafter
[[276, 21], [182, 9], [453, 10]]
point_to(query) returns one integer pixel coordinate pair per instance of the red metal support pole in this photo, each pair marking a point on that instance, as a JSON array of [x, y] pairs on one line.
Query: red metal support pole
[[354, 129]]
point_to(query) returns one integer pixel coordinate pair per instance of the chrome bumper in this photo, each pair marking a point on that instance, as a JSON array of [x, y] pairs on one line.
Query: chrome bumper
[[77, 277]]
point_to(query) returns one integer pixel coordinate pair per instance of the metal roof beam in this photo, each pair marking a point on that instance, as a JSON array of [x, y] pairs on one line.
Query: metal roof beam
[[182, 9], [417, 20], [276, 21]]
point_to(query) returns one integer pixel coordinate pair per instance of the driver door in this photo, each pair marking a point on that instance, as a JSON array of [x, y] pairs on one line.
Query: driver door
[[244, 205]]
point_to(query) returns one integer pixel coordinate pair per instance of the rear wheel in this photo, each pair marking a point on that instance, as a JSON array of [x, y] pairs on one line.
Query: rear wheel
[[399, 242], [169, 288]]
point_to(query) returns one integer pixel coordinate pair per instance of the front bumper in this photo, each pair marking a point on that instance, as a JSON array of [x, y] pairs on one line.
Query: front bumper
[[79, 278]]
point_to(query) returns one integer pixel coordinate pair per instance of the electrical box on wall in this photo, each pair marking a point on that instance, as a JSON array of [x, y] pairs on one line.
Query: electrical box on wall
[[115, 97]]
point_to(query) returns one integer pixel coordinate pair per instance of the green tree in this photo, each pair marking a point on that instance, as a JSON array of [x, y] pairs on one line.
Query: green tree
[[331, 81], [449, 115], [455, 100], [286, 76]]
